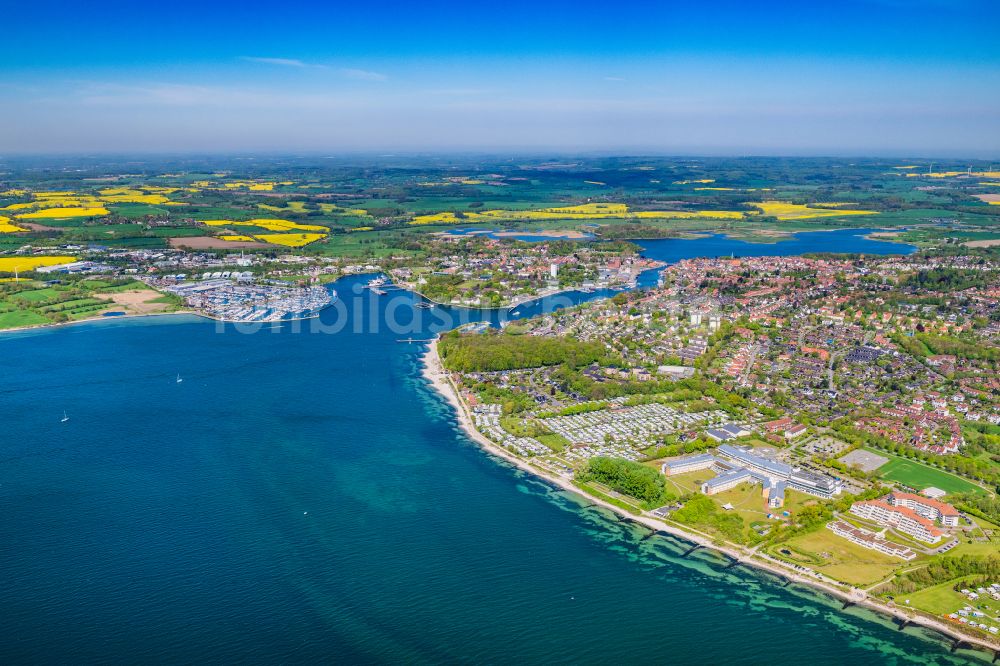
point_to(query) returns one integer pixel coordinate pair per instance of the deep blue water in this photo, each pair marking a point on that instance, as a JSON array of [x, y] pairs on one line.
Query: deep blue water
[[718, 245], [302, 496], [841, 240]]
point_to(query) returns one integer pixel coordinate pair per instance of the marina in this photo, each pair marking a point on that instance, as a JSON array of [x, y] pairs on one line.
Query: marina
[[251, 303]]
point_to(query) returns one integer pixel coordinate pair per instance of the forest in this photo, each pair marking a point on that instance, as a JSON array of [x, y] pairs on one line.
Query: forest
[[493, 351]]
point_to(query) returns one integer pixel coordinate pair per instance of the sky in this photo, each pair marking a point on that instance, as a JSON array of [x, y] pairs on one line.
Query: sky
[[810, 77]]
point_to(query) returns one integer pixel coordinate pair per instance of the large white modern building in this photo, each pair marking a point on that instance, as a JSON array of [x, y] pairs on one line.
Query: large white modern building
[[687, 464], [735, 465], [796, 478]]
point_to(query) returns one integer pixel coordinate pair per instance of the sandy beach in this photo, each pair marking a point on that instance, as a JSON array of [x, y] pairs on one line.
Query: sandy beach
[[433, 371]]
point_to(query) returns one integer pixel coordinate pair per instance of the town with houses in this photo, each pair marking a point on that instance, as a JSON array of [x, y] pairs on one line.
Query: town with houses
[[838, 416]]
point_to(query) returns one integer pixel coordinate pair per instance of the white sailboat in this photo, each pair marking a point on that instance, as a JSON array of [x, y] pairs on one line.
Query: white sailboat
[[179, 380], [64, 418]]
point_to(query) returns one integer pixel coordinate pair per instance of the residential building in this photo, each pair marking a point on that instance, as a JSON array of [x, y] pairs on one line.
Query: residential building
[[869, 539], [929, 508], [898, 517]]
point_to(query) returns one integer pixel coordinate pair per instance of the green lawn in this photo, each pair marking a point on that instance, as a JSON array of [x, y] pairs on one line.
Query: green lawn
[[554, 441], [38, 295], [689, 482], [841, 559], [943, 599], [17, 318], [920, 476]]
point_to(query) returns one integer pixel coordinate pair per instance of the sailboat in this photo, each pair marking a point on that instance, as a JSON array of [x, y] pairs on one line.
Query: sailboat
[[179, 380], [64, 418]]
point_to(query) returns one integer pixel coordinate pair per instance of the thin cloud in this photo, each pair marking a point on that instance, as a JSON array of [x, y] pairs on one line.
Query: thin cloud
[[614, 78], [362, 74], [346, 72], [281, 62]]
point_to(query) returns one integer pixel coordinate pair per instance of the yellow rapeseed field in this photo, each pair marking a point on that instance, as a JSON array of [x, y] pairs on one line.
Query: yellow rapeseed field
[[293, 206], [438, 218], [331, 209], [939, 174], [691, 182], [254, 186], [283, 225], [62, 200], [789, 211], [952, 174], [7, 227], [236, 237], [589, 211], [11, 264], [55, 213], [152, 199], [250, 185], [290, 240], [269, 224], [113, 191]]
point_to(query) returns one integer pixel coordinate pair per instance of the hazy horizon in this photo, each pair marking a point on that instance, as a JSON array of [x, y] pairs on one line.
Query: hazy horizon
[[877, 78]]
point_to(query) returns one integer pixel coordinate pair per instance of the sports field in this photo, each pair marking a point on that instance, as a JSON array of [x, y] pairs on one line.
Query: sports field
[[920, 476]]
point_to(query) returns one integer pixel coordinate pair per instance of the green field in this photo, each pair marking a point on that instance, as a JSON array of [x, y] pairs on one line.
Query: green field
[[840, 559], [943, 599], [920, 476], [20, 318], [38, 295], [939, 599]]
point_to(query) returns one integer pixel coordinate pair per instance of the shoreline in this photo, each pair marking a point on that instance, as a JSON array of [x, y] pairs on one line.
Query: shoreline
[[90, 320], [484, 308], [516, 303], [438, 378], [136, 315]]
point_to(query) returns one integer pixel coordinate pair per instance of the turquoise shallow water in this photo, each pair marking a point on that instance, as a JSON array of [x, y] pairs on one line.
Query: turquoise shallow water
[[302, 496]]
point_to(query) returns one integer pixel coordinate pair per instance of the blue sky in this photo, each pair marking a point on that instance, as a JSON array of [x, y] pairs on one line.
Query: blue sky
[[858, 77]]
